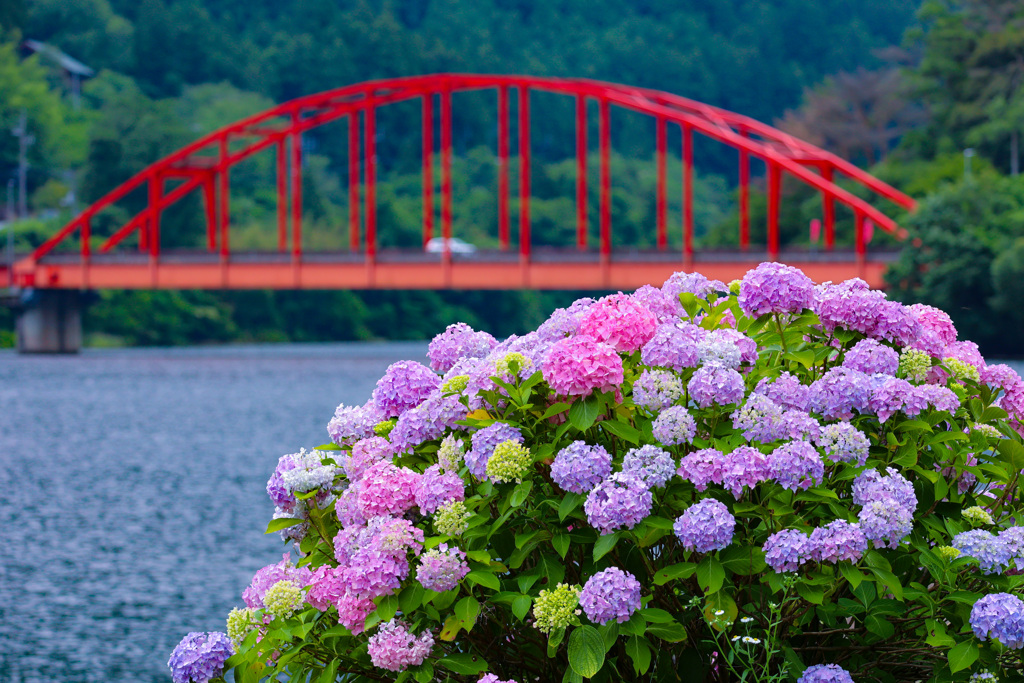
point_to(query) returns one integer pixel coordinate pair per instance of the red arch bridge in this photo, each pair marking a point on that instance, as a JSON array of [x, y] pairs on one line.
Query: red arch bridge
[[132, 257]]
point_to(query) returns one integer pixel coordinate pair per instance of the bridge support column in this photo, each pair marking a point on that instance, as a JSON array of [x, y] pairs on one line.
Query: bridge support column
[[50, 321]]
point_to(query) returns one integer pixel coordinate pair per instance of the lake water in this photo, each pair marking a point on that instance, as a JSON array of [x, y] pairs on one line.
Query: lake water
[[132, 501]]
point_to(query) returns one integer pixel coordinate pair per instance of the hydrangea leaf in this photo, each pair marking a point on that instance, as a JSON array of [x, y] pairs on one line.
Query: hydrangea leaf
[[465, 664], [586, 651], [963, 655]]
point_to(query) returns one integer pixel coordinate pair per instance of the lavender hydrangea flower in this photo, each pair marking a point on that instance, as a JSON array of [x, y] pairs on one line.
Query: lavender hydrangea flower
[[1013, 537], [674, 426], [940, 398], [838, 393], [717, 349], [434, 489], [796, 424], [426, 421], [610, 594], [308, 474], [702, 467], [999, 616], [394, 648], [619, 502], [656, 301], [706, 526], [893, 394], [458, 341], [838, 540], [271, 574], [579, 467], [854, 306], [786, 390], [744, 467], [352, 423], [565, 322], [484, 442], [872, 484], [281, 496], [886, 523], [796, 465], [937, 330], [760, 419], [652, 464], [405, 384], [825, 673], [656, 390], [870, 357], [775, 288], [693, 283], [786, 550], [442, 568], [843, 442], [992, 552], [366, 453], [200, 657], [673, 346], [714, 384]]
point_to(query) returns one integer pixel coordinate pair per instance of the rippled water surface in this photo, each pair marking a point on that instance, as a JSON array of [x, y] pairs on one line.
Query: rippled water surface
[[132, 502]]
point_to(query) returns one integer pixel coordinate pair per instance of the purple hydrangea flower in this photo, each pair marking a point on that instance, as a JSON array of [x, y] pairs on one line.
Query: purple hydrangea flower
[[714, 384], [352, 423], [673, 346], [786, 550], [565, 322], [746, 345], [394, 648], [610, 594], [786, 390], [656, 301], [271, 574], [405, 384], [656, 390], [458, 341], [442, 568], [434, 488], [694, 283], [706, 526], [426, 421], [652, 464], [796, 424], [775, 288], [825, 673], [484, 442], [999, 375], [579, 467], [1013, 537], [702, 467], [718, 349], [619, 502], [796, 465], [760, 419], [871, 485], [745, 466], [992, 552], [938, 397], [365, 453], [871, 358], [838, 393], [279, 494], [886, 523], [838, 540], [200, 657], [893, 394], [999, 616], [854, 306], [937, 330], [674, 426], [843, 442]]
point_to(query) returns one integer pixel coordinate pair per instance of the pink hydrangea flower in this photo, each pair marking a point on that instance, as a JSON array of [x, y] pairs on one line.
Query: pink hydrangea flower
[[387, 490], [620, 322], [394, 648], [576, 366]]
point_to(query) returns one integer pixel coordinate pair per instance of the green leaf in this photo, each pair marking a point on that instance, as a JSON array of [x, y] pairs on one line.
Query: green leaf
[[1013, 453], [583, 412], [963, 655], [424, 673], [604, 545], [571, 676], [810, 593], [851, 574], [640, 652], [710, 575], [521, 493], [623, 431], [387, 607], [560, 542], [683, 570], [586, 651], [569, 504], [554, 410], [889, 580], [330, 672], [804, 358], [521, 606], [411, 597], [282, 523], [465, 664], [484, 579], [656, 616], [467, 609], [690, 303], [670, 633]]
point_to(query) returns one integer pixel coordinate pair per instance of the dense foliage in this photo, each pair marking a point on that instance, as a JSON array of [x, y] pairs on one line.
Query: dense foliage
[[758, 482]]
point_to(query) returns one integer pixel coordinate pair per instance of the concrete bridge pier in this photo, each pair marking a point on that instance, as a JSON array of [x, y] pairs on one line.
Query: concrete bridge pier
[[49, 321]]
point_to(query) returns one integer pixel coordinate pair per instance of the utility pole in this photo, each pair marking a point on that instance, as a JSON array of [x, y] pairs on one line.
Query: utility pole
[[25, 140]]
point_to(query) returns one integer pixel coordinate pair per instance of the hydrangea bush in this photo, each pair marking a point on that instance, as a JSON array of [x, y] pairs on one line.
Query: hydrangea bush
[[765, 481]]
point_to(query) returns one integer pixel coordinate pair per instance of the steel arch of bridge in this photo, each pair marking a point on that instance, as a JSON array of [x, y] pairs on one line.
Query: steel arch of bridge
[[204, 166]]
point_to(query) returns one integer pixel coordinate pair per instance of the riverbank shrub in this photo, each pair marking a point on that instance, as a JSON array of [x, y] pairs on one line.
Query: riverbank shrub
[[763, 481]]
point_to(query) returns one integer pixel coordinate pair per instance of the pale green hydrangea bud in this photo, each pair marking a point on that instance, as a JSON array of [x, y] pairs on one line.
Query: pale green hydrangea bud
[[510, 462], [914, 364], [987, 430], [241, 622], [282, 599], [734, 287], [455, 385], [977, 516], [452, 519], [384, 428], [501, 366], [962, 370], [558, 608], [449, 454], [948, 552]]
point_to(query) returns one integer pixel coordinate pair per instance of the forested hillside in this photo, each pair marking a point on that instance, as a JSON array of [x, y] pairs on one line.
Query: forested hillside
[[171, 70]]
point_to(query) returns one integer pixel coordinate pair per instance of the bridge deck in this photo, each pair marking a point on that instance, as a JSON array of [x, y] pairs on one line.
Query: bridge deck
[[546, 269]]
